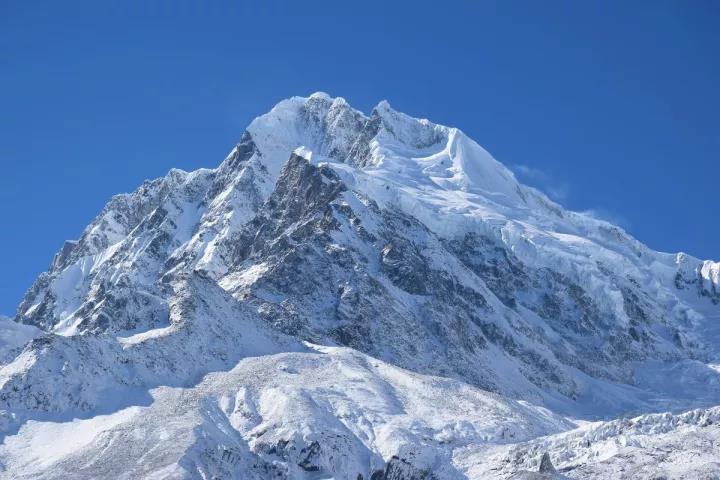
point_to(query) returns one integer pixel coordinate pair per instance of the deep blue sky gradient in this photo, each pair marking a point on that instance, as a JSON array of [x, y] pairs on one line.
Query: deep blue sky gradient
[[611, 106]]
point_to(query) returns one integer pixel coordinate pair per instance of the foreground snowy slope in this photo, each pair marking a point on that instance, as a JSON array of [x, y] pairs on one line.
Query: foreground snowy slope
[[329, 410], [430, 275]]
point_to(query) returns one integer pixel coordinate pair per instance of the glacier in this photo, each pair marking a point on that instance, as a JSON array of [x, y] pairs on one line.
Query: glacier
[[355, 296]]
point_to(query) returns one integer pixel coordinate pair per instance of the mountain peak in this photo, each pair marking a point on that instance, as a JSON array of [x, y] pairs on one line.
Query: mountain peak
[[383, 106], [336, 300], [321, 95]]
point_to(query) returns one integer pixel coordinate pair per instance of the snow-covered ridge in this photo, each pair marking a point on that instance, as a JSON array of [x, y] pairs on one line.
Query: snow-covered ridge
[[382, 265], [13, 337]]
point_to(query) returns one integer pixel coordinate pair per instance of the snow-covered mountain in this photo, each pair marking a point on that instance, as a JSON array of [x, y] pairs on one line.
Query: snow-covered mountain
[[359, 296]]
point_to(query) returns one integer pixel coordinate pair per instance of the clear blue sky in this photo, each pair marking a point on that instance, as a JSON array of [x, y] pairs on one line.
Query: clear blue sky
[[610, 106]]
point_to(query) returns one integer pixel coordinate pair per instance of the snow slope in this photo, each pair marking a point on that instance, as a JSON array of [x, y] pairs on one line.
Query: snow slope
[[339, 298], [14, 336], [261, 419]]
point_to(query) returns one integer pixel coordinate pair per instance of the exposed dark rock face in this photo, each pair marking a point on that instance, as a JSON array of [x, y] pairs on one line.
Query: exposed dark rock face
[[400, 469], [546, 465], [699, 284]]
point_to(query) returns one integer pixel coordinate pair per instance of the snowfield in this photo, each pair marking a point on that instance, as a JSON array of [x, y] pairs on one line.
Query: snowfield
[[267, 412], [353, 296]]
